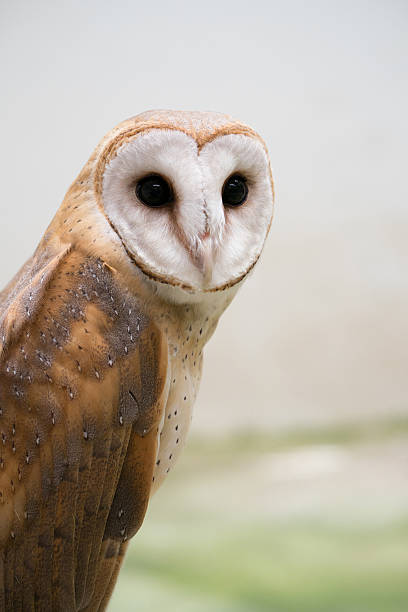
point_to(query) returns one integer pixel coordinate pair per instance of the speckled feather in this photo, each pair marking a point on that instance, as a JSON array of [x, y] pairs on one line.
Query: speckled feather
[[82, 391]]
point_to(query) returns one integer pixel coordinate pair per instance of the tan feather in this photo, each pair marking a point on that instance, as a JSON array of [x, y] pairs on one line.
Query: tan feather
[[79, 431]]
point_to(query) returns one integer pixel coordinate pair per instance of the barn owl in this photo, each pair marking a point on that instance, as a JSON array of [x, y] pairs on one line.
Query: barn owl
[[101, 344]]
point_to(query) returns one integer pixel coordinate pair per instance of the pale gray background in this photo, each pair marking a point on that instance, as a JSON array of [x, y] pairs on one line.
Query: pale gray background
[[320, 331]]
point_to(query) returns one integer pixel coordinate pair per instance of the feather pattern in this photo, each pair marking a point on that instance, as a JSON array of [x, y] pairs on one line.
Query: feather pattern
[[80, 407]]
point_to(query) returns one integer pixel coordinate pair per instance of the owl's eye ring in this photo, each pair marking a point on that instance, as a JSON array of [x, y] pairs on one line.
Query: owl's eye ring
[[154, 191], [235, 190]]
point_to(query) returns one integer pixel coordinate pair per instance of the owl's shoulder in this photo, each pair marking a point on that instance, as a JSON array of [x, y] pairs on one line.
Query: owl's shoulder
[[74, 315]]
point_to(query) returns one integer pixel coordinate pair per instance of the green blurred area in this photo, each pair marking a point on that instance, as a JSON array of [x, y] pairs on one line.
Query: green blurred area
[[307, 521]]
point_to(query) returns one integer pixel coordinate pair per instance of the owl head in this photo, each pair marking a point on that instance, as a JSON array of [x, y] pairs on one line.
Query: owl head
[[189, 194]]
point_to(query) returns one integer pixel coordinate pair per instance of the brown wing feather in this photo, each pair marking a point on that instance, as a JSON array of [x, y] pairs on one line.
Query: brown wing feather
[[82, 390]]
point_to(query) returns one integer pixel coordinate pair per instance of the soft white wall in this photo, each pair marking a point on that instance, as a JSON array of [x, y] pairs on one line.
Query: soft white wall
[[320, 332]]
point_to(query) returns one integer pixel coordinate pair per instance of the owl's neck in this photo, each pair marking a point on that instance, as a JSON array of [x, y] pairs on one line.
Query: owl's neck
[[192, 321]]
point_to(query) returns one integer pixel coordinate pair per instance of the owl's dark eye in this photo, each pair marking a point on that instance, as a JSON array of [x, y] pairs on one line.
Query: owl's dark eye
[[235, 190], [154, 191]]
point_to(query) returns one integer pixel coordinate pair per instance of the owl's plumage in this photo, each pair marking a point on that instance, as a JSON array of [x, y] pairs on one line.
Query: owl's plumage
[[101, 339]]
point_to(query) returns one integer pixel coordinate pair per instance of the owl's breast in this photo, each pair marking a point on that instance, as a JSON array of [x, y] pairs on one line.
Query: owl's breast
[[185, 374]]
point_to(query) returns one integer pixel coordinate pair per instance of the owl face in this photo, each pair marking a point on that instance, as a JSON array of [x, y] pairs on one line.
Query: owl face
[[192, 204]]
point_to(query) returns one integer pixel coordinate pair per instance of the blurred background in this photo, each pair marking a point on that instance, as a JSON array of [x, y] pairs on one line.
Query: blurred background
[[292, 492]]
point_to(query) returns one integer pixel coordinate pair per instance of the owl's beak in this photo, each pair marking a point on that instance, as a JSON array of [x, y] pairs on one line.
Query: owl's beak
[[204, 258]]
